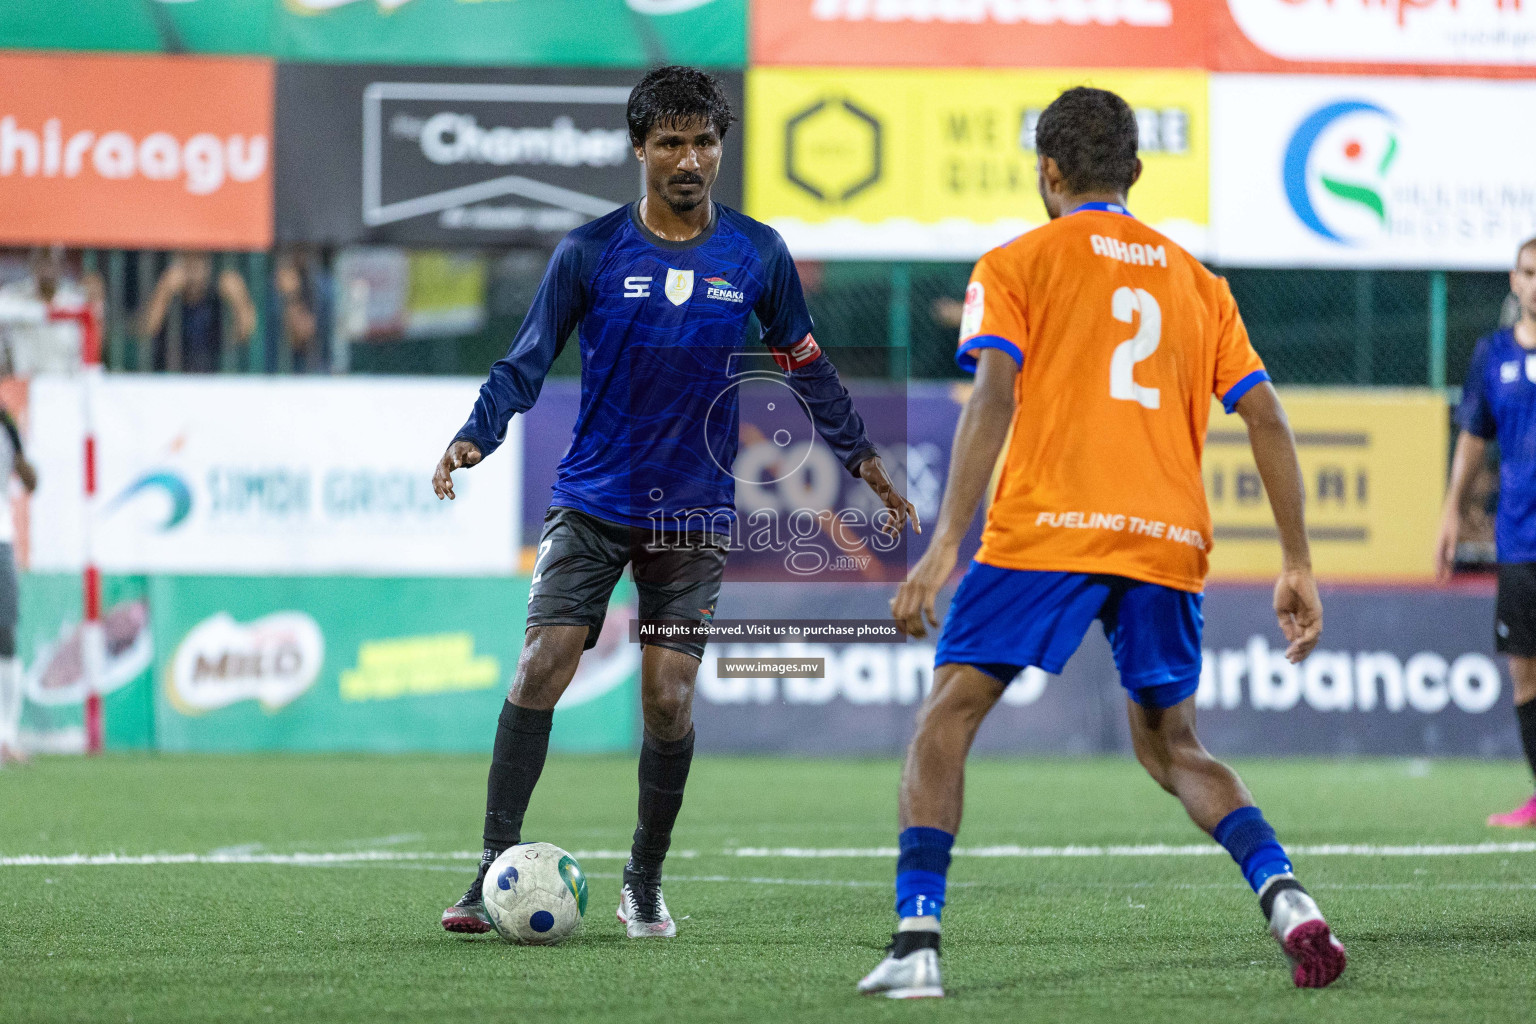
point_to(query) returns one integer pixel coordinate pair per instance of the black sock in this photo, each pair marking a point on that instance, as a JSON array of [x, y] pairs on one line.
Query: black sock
[[663, 774], [1525, 714], [522, 742], [1273, 890]]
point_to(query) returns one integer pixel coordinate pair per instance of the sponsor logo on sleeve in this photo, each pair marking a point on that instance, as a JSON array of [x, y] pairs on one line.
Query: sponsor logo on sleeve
[[975, 309]]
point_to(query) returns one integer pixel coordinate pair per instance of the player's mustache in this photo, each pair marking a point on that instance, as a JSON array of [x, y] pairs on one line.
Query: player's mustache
[[685, 178]]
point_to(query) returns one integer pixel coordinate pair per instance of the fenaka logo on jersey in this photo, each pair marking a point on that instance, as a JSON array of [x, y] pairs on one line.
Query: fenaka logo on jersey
[[1336, 167], [723, 290], [679, 286]]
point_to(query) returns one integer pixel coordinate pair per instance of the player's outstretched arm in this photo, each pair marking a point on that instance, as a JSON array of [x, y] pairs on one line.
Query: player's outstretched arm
[[979, 438], [460, 455], [1297, 606], [1471, 453]]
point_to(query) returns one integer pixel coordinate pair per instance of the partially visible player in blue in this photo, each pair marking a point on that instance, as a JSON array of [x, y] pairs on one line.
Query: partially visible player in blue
[[660, 293], [1498, 402]]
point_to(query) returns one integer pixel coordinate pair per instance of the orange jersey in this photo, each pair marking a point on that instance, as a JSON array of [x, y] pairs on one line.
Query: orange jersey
[[1122, 337]]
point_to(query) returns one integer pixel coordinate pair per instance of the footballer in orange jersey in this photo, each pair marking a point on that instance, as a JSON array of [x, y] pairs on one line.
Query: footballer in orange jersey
[[1097, 344]]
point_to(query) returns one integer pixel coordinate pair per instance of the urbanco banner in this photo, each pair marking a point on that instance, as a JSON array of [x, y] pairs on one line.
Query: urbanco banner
[[256, 475], [1370, 172], [467, 156], [940, 163], [1400, 670], [87, 158]]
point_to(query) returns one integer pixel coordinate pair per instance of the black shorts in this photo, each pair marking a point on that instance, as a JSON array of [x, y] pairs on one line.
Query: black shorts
[[580, 559], [1514, 629]]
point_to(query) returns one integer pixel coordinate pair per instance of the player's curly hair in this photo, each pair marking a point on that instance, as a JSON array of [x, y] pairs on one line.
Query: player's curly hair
[[674, 94], [1091, 134]]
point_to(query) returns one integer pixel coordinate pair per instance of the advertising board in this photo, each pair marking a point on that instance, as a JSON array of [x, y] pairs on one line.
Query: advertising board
[[1370, 172], [436, 156], [940, 164], [85, 161], [230, 475]]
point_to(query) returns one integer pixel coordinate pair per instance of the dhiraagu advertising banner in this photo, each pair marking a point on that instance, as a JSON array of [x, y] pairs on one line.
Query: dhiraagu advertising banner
[[1373, 463], [355, 663], [940, 164]]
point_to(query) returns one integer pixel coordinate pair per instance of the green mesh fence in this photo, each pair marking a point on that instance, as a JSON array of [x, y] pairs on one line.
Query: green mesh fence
[[1313, 327]]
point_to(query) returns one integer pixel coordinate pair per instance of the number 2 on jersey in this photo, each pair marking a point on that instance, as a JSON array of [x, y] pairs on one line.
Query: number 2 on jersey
[[1125, 304]]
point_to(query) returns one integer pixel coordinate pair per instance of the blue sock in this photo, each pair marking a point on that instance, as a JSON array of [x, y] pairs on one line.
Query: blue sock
[[920, 871], [1251, 842]]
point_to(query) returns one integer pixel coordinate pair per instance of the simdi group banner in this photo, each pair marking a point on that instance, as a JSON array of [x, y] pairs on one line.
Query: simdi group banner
[[459, 156], [940, 164], [1370, 172], [236, 475], [590, 33], [85, 160]]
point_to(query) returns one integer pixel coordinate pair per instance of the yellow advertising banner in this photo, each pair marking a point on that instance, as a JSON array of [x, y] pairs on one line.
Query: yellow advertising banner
[[1374, 464], [940, 163]]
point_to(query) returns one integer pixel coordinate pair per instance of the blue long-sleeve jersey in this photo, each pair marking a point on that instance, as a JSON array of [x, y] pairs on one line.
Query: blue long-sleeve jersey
[[662, 326]]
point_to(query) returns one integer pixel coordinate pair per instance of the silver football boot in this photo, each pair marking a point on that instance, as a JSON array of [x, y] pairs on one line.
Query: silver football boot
[[913, 976], [1317, 958]]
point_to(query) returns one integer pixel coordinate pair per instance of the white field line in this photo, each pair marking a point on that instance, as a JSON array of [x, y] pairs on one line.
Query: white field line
[[776, 853], [1150, 850]]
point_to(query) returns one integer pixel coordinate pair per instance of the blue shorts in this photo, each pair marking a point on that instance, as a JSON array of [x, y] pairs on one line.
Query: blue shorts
[[1005, 620]]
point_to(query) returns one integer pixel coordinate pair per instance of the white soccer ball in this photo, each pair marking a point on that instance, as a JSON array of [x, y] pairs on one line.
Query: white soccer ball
[[535, 894]]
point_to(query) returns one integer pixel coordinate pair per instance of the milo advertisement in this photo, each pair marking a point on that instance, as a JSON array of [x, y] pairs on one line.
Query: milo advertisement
[[235, 663], [364, 663]]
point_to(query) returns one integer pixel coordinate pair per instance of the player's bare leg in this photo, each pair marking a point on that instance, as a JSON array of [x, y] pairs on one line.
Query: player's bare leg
[[933, 778], [932, 795], [544, 670], [666, 701], [1217, 801], [1523, 671]]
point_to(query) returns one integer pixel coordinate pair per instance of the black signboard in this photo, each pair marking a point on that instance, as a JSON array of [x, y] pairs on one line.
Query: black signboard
[[458, 156]]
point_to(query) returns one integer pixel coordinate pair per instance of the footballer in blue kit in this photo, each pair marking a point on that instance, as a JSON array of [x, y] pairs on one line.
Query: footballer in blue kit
[[660, 295], [1499, 404]]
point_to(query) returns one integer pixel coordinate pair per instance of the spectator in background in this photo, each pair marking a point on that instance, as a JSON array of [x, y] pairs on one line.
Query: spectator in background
[[186, 314], [300, 316], [39, 326]]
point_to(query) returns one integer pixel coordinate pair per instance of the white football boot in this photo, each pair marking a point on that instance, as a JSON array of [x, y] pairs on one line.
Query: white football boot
[[643, 912], [1317, 958], [913, 976]]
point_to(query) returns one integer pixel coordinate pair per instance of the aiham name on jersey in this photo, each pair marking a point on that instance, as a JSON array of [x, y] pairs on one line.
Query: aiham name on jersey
[[1129, 252]]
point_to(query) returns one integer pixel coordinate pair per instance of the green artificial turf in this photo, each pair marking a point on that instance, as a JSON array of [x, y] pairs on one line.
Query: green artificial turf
[[1129, 940]]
